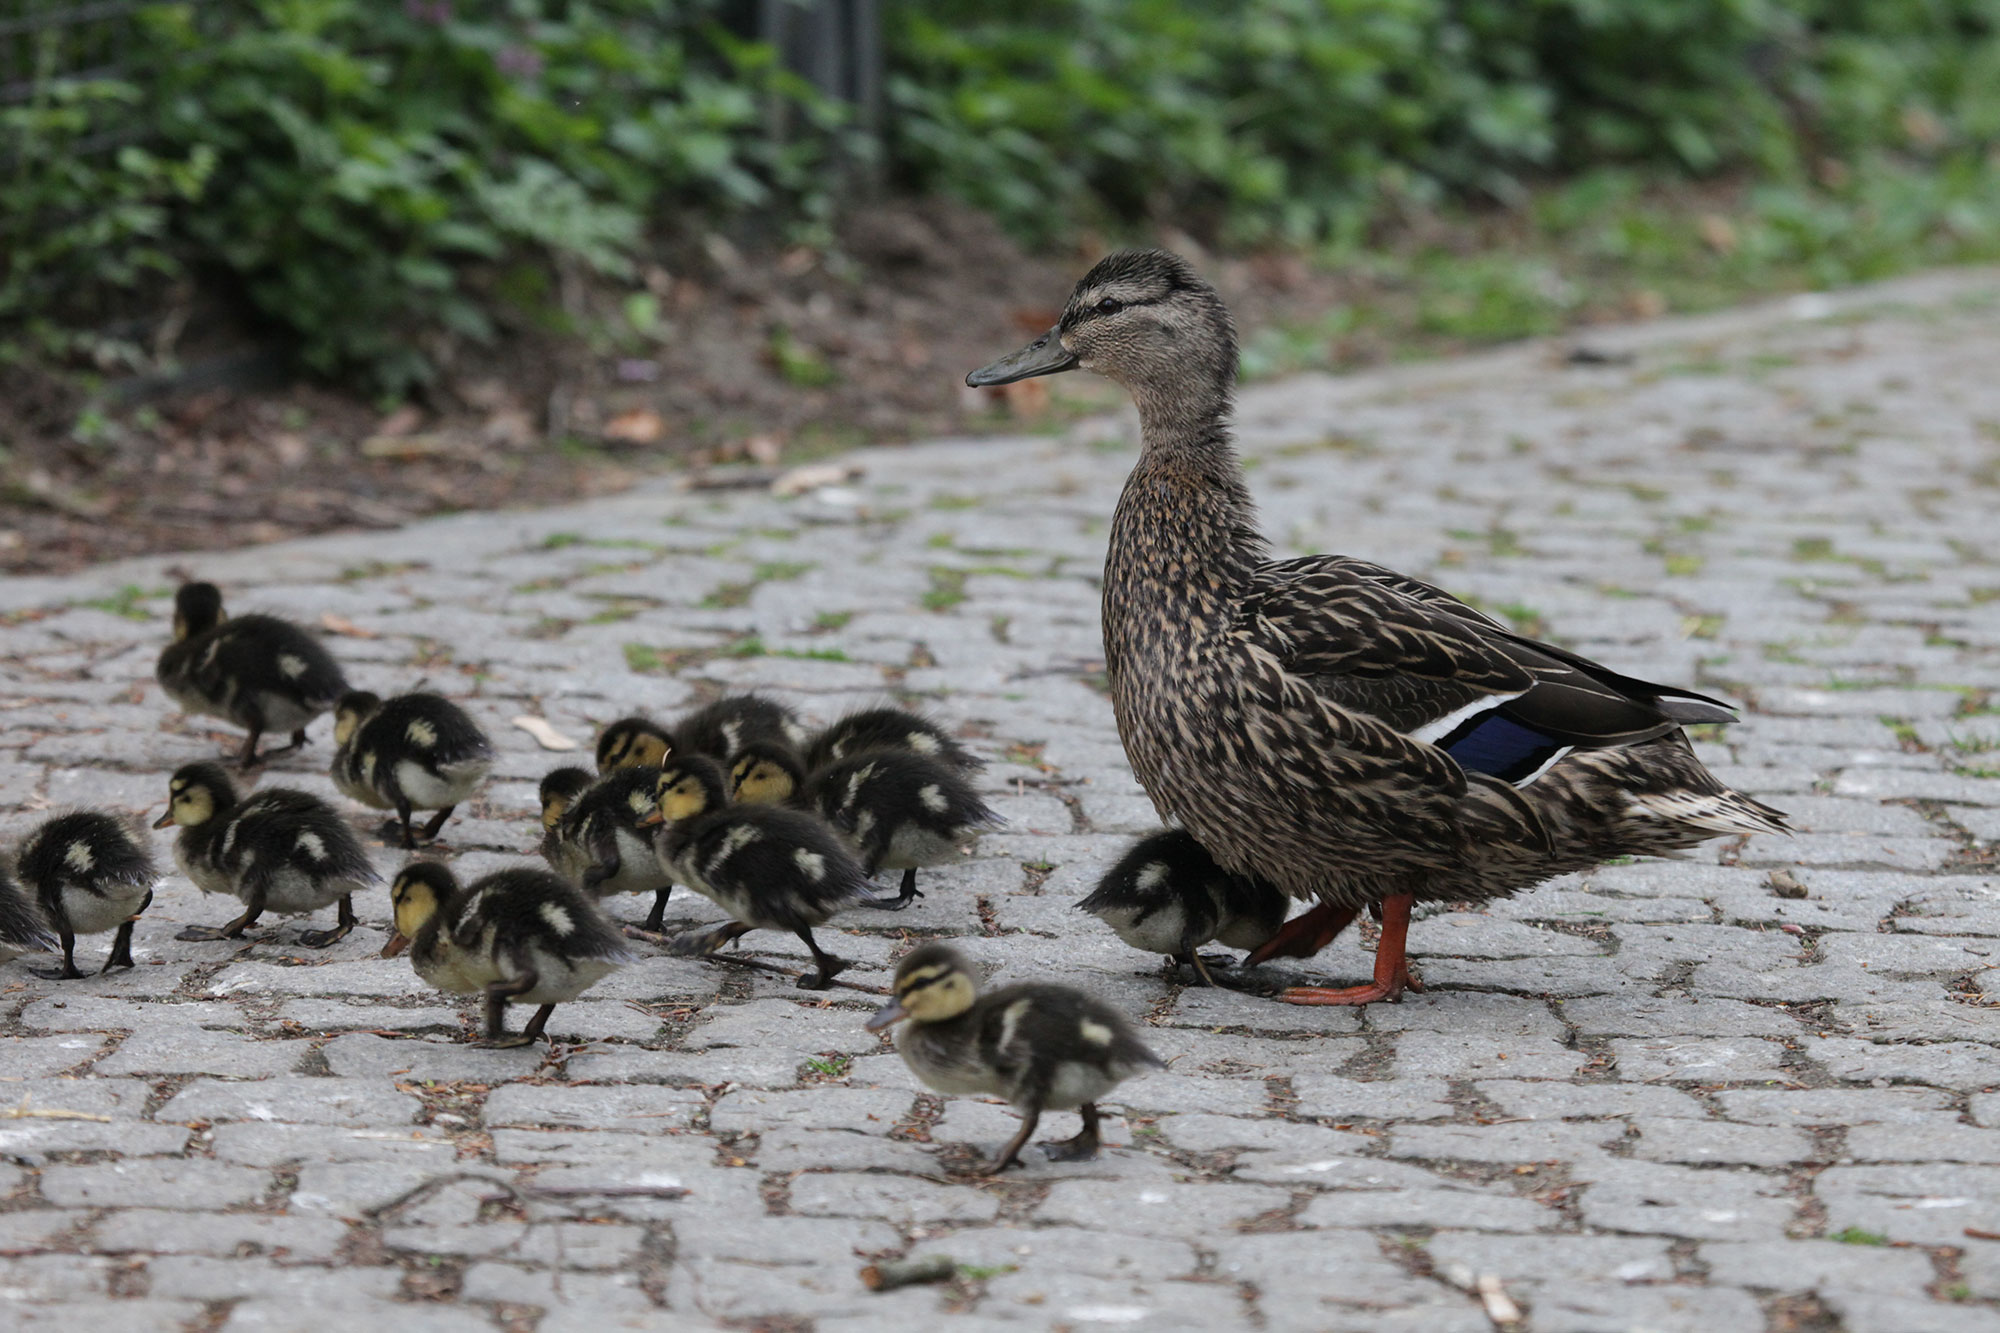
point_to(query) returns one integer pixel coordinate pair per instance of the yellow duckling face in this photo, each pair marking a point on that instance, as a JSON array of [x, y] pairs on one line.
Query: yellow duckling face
[[351, 712], [754, 780], [679, 794], [194, 794], [415, 898], [933, 985], [631, 742]]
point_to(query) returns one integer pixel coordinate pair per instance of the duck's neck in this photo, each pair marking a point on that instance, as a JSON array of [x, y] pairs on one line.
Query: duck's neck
[[1184, 539]]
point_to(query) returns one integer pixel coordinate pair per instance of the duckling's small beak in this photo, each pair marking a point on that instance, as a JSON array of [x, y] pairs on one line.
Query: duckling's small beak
[[165, 820], [648, 821], [888, 1015], [397, 943], [1044, 356]]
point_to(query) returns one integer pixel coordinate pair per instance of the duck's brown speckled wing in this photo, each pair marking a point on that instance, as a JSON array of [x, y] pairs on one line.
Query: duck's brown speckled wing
[[1398, 649]]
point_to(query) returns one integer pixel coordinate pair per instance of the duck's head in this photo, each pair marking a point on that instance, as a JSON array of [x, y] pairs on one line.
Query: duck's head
[[559, 789], [764, 773], [196, 793], [631, 741], [420, 890], [352, 710], [1144, 318], [933, 984], [690, 786], [197, 607]]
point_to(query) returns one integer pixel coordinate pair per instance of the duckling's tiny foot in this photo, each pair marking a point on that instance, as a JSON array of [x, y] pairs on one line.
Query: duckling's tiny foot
[[649, 936], [207, 933], [512, 1041], [822, 976], [1082, 1148], [319, 939], [68, 973]]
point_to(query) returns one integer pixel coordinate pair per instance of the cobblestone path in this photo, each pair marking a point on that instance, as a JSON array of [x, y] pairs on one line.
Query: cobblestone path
[[1659, 1097]]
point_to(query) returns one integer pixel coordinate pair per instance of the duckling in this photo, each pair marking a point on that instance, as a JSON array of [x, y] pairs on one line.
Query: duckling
[[890, 729], [411, 752], [1167, 895], [598, 844], [558, 790], [279, 850], [519, 934], [1042, 1047], [719, 730], [767, 773], [903, 809], [90, 875], [22, 926], [769, 867], [260, 672], [631, 742]]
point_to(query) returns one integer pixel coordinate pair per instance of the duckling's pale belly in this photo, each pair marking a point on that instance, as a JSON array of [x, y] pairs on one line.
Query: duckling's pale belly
[[465, 971], [435, 791], [947, 1067], [1157, 931], [93, 913], [914, 847], [639, 869]]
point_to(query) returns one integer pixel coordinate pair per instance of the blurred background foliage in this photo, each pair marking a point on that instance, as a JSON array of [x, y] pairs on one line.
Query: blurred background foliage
[[374, 176]]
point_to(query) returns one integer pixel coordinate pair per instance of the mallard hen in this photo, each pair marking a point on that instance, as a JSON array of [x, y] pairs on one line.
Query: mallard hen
[[1353, 735]]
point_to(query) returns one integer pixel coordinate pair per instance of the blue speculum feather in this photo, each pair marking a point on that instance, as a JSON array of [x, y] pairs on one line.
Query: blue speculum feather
[[1499, 747]]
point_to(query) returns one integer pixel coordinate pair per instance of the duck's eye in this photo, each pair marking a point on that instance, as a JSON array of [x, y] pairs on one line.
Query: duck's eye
[[1110, 305]]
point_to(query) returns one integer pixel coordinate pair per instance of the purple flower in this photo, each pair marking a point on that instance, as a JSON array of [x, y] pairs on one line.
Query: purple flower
[[428, 11], [519, 62]]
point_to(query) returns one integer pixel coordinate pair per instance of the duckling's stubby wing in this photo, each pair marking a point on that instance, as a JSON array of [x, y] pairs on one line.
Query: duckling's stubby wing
[[1433, 668]]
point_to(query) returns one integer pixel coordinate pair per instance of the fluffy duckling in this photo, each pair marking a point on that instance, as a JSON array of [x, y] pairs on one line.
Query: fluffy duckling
[[22, 926], [767, 773], [724, 727], [600, 844], [520, 934], [904, 810], [889, 729], [718, 730], [1042, 1047], [633, 742], [769, 867], [260, 672], [278, 850], [90, 875], [557, 792], [411, 752], [1167, 895]]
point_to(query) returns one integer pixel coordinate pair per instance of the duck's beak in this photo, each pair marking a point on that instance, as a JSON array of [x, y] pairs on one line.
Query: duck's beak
[[165, 820], [888, 1015], [648, 821], [1044, 356], [397, 943]]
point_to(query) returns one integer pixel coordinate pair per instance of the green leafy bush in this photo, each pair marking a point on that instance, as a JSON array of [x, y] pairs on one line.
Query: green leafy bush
[[364, 169], [1308, 119]]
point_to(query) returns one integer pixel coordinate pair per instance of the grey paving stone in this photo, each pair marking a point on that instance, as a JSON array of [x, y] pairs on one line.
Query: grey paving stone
[[1867, 1312], [168, 1231], [1646, 1197], [1668, 1309], [322, 1101], [650, 1110], [200, 1051], [159, 1183], [1186, 1212], [129, 1315], [897, 1200], [1818, 1265], [1701, 1142], [1562, 1259]]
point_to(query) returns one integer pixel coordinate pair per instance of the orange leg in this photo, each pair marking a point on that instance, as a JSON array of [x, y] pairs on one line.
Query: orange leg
[[1392, 966], [1304, 935]]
